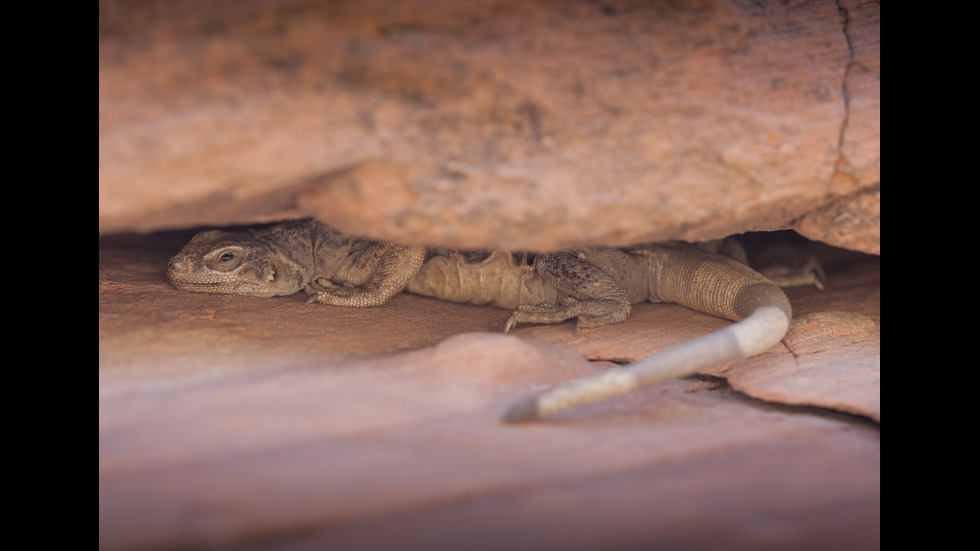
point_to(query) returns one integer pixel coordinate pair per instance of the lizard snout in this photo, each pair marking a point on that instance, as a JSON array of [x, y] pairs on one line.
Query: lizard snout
[[179, 266]]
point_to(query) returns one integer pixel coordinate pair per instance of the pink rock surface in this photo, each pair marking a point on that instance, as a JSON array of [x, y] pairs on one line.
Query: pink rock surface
[[227, 422]]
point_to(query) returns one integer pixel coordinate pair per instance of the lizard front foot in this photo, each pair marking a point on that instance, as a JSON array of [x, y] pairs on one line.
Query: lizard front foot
[[324, 291], [344, 295]]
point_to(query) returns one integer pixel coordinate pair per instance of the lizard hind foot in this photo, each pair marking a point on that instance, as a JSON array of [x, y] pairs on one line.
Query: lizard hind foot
[[797, 275]]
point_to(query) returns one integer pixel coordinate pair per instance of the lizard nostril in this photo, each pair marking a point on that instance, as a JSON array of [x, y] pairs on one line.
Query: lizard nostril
[[180, 266]]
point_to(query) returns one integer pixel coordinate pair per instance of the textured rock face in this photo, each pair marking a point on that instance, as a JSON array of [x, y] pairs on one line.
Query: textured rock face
[[509, 124]]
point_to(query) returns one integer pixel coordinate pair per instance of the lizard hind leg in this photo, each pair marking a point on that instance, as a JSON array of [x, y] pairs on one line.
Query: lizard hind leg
[[592, 296]]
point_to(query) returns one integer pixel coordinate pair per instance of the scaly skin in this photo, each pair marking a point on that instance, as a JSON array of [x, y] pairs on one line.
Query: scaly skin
[[595, 286], [301, 255]]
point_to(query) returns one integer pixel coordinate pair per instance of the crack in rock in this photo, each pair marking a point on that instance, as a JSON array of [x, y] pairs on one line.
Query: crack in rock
[[845, 29]]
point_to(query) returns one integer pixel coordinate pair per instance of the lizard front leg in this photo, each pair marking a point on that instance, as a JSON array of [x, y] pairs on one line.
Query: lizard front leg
[[594, 297], [370, 278]]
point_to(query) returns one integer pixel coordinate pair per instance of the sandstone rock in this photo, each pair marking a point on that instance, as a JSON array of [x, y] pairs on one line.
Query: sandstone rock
[[837, 365], [853, 222], [523, 125], [236, 422], [241, 422]]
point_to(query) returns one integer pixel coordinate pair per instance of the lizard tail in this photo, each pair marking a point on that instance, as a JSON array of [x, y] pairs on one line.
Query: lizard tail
[[701, 281]]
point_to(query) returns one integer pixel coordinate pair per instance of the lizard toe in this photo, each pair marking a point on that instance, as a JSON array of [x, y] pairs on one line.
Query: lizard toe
[[510, 323]]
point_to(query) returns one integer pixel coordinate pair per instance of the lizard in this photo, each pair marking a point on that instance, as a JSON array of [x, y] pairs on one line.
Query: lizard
[[595, 286]]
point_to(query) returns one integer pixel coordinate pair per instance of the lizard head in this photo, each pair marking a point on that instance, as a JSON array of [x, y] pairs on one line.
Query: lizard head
[[230, 263]]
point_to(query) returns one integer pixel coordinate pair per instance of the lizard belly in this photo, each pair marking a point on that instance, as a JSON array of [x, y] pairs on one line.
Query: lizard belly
[[495, 281]]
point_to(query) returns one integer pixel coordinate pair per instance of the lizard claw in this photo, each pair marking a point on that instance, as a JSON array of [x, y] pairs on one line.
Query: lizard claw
[[312, 298], [510, 323]]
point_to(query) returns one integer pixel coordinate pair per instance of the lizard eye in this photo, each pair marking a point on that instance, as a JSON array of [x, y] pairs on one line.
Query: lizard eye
[[227, 261]]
